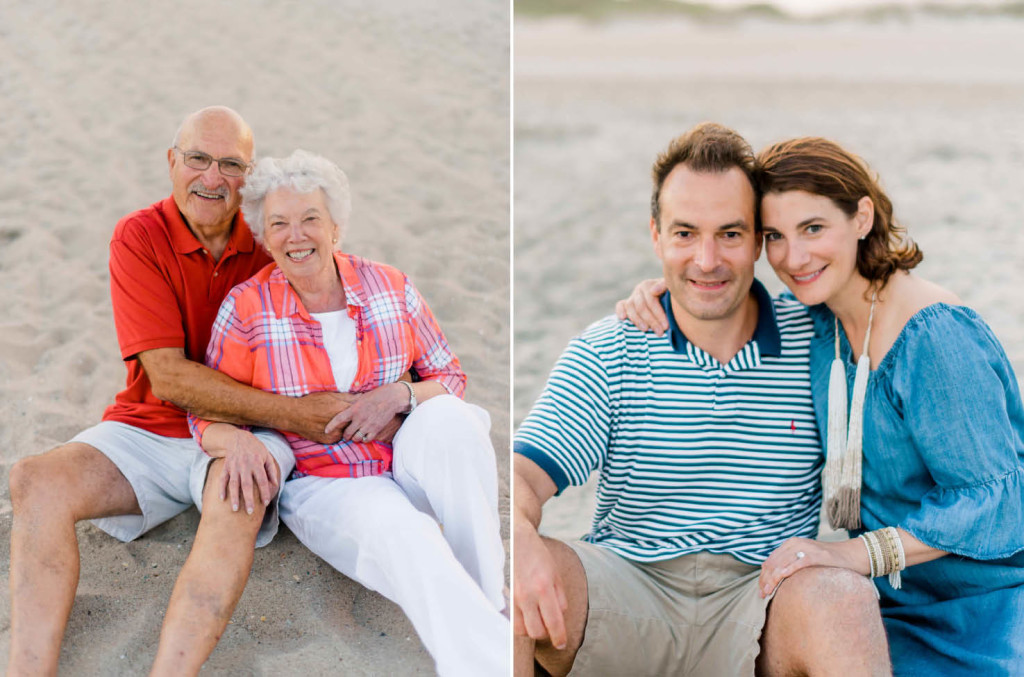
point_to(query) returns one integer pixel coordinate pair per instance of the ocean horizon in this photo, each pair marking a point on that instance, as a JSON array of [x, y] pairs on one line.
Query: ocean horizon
[[781, 10]]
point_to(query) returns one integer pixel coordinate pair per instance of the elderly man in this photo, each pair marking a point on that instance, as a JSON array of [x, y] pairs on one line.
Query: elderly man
[[171, 264], [708, 459]]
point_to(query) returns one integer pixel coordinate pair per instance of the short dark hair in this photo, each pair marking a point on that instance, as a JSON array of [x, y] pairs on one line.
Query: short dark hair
[[822, 167], [708, 147]]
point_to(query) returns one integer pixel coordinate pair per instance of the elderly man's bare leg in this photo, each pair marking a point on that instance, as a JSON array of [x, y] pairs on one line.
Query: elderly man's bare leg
[[555, 661], [50, 493], [210, 583], [824, 621]]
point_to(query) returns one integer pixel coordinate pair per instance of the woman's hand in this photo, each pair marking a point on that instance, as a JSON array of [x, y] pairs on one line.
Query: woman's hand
[[371, 413], [643, 307], [247, 464], [798, 553]]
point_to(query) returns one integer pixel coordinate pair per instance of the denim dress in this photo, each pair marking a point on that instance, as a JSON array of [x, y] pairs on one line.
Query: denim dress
[[943, 460]]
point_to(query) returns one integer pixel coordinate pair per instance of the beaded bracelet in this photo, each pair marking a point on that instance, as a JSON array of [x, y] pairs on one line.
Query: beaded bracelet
[[885, 554]]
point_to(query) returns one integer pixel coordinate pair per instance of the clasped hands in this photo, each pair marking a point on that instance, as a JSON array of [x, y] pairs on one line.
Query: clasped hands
[[361, 417]]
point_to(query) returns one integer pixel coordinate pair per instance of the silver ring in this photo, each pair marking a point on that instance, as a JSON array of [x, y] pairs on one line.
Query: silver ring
[[800, 554], [365, 436]]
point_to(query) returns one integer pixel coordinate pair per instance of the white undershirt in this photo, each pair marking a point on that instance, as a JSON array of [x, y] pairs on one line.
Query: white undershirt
[[340, 343]]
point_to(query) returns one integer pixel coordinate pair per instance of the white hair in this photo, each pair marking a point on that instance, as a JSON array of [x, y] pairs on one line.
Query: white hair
[[302, 172]]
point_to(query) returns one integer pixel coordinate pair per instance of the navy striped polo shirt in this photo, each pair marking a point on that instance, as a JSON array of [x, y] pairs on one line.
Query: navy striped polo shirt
[[693, 455]]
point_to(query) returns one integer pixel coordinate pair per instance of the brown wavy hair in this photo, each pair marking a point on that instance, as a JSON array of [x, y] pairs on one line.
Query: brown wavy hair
[[822, 167], [708, 147]]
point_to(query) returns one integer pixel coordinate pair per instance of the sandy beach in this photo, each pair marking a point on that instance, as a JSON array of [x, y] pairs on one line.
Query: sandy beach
[[411, 101], [934, 106]]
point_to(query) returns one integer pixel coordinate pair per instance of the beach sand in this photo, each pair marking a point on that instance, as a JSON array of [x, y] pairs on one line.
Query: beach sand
[[934, 106], [410, 99]]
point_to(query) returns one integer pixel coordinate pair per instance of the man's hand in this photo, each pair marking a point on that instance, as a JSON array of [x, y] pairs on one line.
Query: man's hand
[[390, 429], [540, 602], [320, 409], [247, 464], [539, 598], [372, 415], [643, 307]]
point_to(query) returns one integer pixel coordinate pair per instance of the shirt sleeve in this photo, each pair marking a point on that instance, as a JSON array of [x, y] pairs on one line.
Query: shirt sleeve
[[568, 430], [963, 408], [228, 352], [433, 359], [146, 310]]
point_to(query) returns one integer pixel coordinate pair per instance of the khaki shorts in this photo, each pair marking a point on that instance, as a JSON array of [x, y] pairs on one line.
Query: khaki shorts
[[698, 614]]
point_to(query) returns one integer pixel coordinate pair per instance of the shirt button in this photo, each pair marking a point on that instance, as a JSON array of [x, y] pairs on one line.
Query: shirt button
[[216, 274]]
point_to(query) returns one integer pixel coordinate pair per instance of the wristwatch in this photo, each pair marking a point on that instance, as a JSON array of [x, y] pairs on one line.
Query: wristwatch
[[412, 397]]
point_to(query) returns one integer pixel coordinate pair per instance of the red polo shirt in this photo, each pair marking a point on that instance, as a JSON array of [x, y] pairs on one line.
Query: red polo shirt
[[166, 290]]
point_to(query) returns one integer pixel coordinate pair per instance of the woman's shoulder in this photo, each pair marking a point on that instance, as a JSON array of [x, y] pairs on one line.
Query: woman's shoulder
[[913, 294], [938, 328], [923, 307]]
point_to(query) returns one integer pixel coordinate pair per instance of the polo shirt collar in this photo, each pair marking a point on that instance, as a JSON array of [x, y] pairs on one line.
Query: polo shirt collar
[[766, 333], [185, 242], [289, 303]]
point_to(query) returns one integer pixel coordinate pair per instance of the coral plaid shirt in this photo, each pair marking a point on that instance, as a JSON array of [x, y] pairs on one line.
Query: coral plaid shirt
[[264, 336]]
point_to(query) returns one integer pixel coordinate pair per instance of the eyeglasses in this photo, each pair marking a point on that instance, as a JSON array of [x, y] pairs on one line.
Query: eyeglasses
[[228, 166]]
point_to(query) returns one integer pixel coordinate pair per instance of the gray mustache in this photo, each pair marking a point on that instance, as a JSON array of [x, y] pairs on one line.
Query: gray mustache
[[197, 185]]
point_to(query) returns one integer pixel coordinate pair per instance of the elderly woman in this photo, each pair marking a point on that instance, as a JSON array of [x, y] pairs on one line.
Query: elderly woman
[[919, 409], [321, 320]]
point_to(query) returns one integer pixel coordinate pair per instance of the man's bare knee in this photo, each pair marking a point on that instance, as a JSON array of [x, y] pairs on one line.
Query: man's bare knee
[[75, 479], [824, 616], [827, 591]]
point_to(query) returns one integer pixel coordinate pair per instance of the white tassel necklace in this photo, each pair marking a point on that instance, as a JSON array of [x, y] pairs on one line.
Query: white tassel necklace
[[844, 452]]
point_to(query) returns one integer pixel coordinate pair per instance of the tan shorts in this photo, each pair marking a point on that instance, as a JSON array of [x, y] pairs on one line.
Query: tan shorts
[[698, 614]]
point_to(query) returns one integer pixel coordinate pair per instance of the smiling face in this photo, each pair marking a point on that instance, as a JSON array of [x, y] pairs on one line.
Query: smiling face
[[299, 233], [206, 198], [706, 242], [811, 243]]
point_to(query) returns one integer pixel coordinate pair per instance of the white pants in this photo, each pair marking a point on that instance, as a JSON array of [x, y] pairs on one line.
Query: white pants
[[381, 531]]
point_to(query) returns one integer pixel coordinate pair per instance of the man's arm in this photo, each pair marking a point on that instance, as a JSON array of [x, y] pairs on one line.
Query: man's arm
[[539, 594], [214, 396]]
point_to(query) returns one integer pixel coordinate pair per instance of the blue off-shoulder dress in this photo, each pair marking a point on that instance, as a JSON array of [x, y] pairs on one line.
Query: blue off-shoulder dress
[[943, 460]]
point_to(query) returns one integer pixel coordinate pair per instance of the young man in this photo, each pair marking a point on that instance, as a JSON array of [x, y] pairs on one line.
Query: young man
[[709, 459]]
